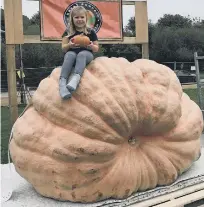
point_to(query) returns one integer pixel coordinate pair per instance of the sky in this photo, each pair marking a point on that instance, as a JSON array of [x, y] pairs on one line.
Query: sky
[[156, 9]]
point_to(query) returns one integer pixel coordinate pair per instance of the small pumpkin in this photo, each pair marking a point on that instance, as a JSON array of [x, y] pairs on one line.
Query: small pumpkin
[[81, 40], [129, 127]]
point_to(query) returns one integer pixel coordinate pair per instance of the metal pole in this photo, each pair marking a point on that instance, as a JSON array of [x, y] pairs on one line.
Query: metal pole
[[11, 73], [22, 75], [198, 79], [174, 66]]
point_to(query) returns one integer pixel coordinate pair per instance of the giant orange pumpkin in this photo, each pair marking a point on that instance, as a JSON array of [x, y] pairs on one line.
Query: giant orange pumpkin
[[127, 128]]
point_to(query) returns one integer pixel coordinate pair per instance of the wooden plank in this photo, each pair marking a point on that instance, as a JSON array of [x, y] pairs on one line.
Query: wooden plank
[[11, 75], [169, 196], [125, 2], [141, 21], [13, 21], [145, 51], [8, 18], [184, 200], [18, 22], [127, 40]]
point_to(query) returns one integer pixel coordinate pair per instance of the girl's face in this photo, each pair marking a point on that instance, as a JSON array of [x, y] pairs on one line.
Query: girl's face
[[79, 20]]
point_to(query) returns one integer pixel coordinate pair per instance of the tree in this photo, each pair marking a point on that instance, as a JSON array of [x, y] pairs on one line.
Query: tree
[[35, 19], [2, 20], [198, 23], [175, 21], [129, 30], [26, 21], [130, 52], [34, 26], [33, 29], [170, 44], [3, 34], [3, 56]]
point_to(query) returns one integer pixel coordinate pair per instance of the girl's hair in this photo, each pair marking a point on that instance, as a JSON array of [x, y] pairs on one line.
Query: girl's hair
[[71, 30]]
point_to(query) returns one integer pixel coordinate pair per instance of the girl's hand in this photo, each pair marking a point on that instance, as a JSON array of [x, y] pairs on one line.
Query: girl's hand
[[90, 46], [93, 46]]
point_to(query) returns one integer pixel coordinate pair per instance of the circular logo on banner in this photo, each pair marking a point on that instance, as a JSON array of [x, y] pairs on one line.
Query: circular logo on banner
[[94, 17]]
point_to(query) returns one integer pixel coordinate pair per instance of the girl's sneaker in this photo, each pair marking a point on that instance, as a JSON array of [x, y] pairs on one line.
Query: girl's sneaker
[[64, 92], [74, 82]]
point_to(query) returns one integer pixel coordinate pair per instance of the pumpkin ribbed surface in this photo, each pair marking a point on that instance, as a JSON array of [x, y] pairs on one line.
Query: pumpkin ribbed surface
[[81, 40], [127, 128]]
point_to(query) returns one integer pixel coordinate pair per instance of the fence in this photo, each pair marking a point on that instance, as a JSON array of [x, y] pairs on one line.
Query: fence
[[33, 76], [185, 66], [26, 85], [200, 83]]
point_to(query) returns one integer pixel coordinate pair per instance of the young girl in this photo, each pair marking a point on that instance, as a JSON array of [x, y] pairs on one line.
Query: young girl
[[75, 55]]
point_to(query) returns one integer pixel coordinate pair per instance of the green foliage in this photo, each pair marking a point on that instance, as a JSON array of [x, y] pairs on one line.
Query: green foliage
[[199, 24], [34, 25], [32, 29], [42, 55], [192, 93], [100, 52], [2, 20], [6, 130], [176, 21], [52, 54], [169, 44], [130, 52], [129, 30], [172, 38], [35, 19], [26, 22], [3, 55]]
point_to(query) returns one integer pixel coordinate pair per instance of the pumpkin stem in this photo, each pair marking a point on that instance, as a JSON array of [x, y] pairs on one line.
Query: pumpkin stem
[[132, 141]]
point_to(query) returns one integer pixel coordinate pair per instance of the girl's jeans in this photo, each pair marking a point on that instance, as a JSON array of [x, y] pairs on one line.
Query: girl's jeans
[[81, 60]]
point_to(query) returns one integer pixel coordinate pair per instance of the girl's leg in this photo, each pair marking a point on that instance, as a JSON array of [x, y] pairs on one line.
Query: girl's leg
[[69, 60], [82, 60]]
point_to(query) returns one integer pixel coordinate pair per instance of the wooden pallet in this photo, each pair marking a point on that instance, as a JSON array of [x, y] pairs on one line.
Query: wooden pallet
[[175, 199]]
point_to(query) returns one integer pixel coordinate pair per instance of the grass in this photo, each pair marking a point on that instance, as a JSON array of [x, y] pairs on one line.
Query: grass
[[5, 131], [192, 93], [6, 128]]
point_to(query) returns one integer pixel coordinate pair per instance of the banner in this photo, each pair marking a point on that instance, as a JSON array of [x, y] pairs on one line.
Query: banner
[[105, 17]]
